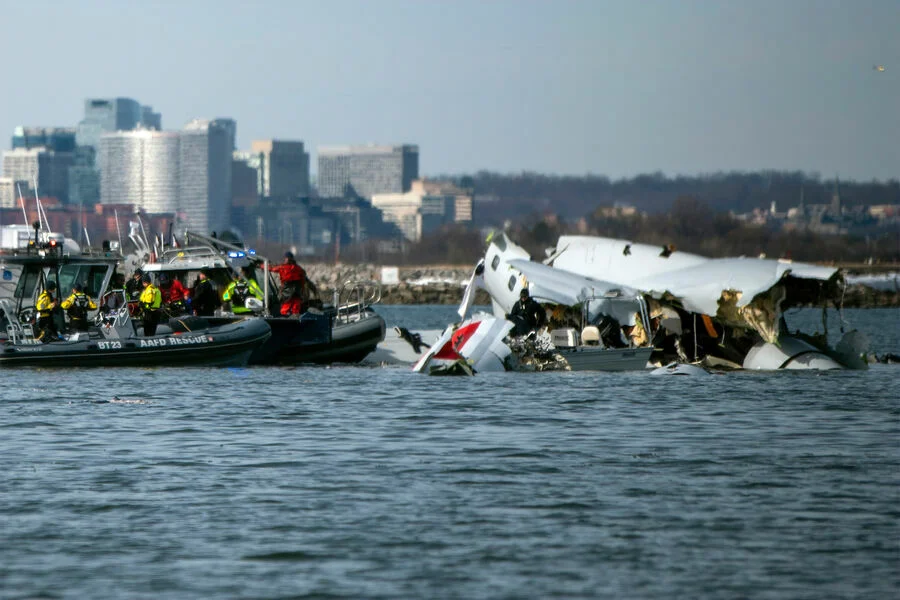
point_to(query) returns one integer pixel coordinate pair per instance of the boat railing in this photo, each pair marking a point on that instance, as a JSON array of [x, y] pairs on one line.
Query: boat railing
[[176, 255], [114, 316], [353, 298], [17, 331]]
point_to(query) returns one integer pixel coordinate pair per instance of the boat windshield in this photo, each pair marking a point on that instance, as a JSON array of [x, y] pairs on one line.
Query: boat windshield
[[28, 282], [90, 276]]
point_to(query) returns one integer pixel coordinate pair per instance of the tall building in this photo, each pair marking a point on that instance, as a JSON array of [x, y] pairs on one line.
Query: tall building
[[8, 195], [366, 170], [84, 178], [141, 168], [185, 172], [103, 116], [58, 139], [283, 168], [48, 168], [205, 187]]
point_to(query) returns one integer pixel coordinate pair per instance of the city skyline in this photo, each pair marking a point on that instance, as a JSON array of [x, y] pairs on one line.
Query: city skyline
[[607, 88]]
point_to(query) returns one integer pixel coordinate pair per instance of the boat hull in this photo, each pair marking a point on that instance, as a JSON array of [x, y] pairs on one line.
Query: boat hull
[[348, 342], [224, 346], [313, 338]]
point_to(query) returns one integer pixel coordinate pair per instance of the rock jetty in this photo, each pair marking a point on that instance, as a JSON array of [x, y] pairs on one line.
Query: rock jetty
[[439, 284]]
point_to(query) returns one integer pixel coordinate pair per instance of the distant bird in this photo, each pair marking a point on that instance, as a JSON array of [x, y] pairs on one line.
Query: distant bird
[[878, 68]]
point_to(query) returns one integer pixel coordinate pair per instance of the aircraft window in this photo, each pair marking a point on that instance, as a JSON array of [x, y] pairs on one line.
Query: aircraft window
[[495, 262], [512, 283]]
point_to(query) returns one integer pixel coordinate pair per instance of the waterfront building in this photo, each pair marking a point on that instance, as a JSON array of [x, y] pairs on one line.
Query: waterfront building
[[366, 170], [141, 168], [283, 168], [48, 168]]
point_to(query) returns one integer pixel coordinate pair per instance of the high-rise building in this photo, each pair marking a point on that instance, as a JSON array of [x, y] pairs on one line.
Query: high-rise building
[[84, 178], [48, 168], [205, 160], [58, 139], [105, 115], [283, 168], [185, 172], [8, 195], [141, 168], [366, 170]]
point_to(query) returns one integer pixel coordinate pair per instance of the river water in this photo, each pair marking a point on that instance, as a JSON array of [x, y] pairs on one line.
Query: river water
[[375, 482]]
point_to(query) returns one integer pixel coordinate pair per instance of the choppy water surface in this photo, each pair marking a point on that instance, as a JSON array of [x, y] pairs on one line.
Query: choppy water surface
[[358, 482]]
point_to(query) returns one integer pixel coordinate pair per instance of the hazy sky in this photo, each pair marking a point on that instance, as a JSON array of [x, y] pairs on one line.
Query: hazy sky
[[611, 88]]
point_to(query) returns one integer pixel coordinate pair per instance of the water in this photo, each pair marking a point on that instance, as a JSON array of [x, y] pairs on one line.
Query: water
[[355, 482]]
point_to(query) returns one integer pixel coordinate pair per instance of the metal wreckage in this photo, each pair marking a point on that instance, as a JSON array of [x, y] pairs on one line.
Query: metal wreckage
[[616, 305]]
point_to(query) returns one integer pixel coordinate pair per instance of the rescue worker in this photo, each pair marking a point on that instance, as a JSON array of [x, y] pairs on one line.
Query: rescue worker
[[527, 314], [77, 306], [173, 294], [204, 298], [294, 284], [239, 290], [151, 300], [45, 305], [133, 287]]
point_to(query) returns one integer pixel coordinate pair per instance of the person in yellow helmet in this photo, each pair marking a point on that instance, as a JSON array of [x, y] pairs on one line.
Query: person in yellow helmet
[[77, 306], [150, 301], [44, 306]]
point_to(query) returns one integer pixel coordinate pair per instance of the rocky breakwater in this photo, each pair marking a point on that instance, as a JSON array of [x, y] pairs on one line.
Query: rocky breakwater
[[438, 284]]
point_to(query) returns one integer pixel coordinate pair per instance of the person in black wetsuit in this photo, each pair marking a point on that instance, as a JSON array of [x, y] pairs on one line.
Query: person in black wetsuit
[[527, 314]]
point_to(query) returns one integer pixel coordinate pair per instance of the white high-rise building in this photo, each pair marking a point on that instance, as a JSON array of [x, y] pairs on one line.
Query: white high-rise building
[[8, 195], [141, 168], [49, 169], [185, 172]]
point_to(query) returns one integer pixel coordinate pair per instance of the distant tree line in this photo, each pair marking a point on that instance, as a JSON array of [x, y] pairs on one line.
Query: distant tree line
[[501, 197], [692, 213]]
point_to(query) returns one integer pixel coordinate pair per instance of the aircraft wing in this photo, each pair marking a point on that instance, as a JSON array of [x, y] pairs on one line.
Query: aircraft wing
[[564, 287]]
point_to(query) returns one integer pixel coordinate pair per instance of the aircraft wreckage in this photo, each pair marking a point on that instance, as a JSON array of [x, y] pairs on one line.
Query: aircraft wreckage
[[616, 305]]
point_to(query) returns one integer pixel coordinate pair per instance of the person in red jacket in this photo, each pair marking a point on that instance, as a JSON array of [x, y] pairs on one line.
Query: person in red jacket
[[173, 294], [293, 284]]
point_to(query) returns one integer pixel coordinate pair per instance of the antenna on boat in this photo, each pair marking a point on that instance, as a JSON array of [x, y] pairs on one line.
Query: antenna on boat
[[22, 202], [37, 201], [118, 230]]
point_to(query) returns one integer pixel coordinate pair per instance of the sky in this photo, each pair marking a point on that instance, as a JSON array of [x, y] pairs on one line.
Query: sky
[[613, 88]]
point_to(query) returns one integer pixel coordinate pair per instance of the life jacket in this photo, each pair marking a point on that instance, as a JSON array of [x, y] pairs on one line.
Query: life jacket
[[80, 305], [44, 304], [240, 293]]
